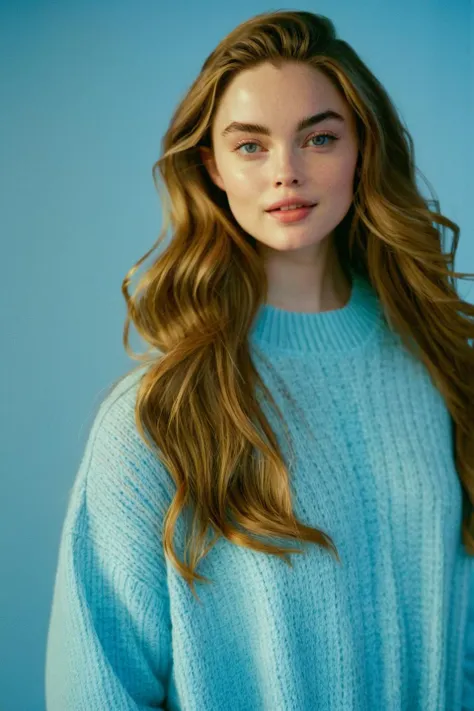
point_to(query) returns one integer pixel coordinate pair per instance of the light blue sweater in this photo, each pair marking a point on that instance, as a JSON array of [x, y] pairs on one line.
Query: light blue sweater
[[388, 628]]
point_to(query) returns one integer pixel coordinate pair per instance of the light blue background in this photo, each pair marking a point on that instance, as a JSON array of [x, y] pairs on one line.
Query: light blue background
[[87, 91]]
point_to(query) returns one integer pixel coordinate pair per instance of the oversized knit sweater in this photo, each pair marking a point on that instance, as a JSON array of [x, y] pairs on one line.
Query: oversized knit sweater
[[390, 627]]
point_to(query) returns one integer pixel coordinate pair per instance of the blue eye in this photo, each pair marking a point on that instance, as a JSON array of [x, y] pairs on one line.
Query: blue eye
[[323, 135], [254, 143]]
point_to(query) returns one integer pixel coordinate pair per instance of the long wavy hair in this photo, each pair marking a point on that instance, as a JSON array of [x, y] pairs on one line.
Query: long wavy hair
[[197, 399]]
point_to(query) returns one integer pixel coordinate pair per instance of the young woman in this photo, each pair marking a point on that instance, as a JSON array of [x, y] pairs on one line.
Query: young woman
[[333, 572]]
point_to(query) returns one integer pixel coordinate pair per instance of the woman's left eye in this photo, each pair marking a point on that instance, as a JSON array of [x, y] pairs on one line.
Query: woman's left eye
[[254, 143]]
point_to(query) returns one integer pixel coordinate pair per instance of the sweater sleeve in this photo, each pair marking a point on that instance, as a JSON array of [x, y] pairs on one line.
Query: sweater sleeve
[[108, 638], [468, 690]]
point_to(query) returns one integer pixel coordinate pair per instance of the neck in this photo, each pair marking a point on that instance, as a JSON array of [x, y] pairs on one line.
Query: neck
[[344, 324], [334, 293]]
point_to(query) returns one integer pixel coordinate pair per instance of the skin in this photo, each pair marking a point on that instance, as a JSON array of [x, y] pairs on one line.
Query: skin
[[300, 259]]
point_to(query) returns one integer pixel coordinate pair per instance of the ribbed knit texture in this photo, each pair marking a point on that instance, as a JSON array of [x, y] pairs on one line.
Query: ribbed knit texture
[[389, 628]]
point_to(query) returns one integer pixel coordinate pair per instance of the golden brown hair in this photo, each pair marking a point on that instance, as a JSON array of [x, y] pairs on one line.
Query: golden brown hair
[[197, 400]]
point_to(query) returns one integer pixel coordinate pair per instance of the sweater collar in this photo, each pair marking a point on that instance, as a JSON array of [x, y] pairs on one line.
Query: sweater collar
[[326, 332]]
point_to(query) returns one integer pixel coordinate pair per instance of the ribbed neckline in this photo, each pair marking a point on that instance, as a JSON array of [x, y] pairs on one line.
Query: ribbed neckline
[[327, 332]]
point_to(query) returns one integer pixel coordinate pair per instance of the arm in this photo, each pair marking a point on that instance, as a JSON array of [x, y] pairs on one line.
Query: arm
[[468, 689], [108, 641]]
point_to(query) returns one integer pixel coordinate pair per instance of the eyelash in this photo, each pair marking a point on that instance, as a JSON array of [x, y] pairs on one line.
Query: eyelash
[[316, 135]]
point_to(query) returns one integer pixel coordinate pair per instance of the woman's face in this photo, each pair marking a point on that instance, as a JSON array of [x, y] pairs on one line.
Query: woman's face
[[288, 161]]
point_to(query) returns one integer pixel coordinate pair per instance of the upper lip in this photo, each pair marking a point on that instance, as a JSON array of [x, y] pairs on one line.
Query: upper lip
[[296, 200]]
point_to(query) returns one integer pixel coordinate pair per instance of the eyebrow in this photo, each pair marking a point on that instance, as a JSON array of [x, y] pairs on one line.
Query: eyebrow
[[304, 123]]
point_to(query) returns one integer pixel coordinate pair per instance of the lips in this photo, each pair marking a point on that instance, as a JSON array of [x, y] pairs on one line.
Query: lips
[[279, 209]]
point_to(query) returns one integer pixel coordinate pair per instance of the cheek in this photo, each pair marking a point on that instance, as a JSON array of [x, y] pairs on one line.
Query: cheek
[[243, 191], [242, 180], [338, 180]]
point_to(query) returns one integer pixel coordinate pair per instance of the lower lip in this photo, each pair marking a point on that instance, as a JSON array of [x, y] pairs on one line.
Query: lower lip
[[291, 215]]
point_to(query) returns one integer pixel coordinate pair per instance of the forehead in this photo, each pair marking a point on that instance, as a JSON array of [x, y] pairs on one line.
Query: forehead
[[279, 97]]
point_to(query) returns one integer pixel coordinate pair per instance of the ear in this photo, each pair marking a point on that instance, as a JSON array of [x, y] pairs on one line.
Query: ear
[[207, 157]]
